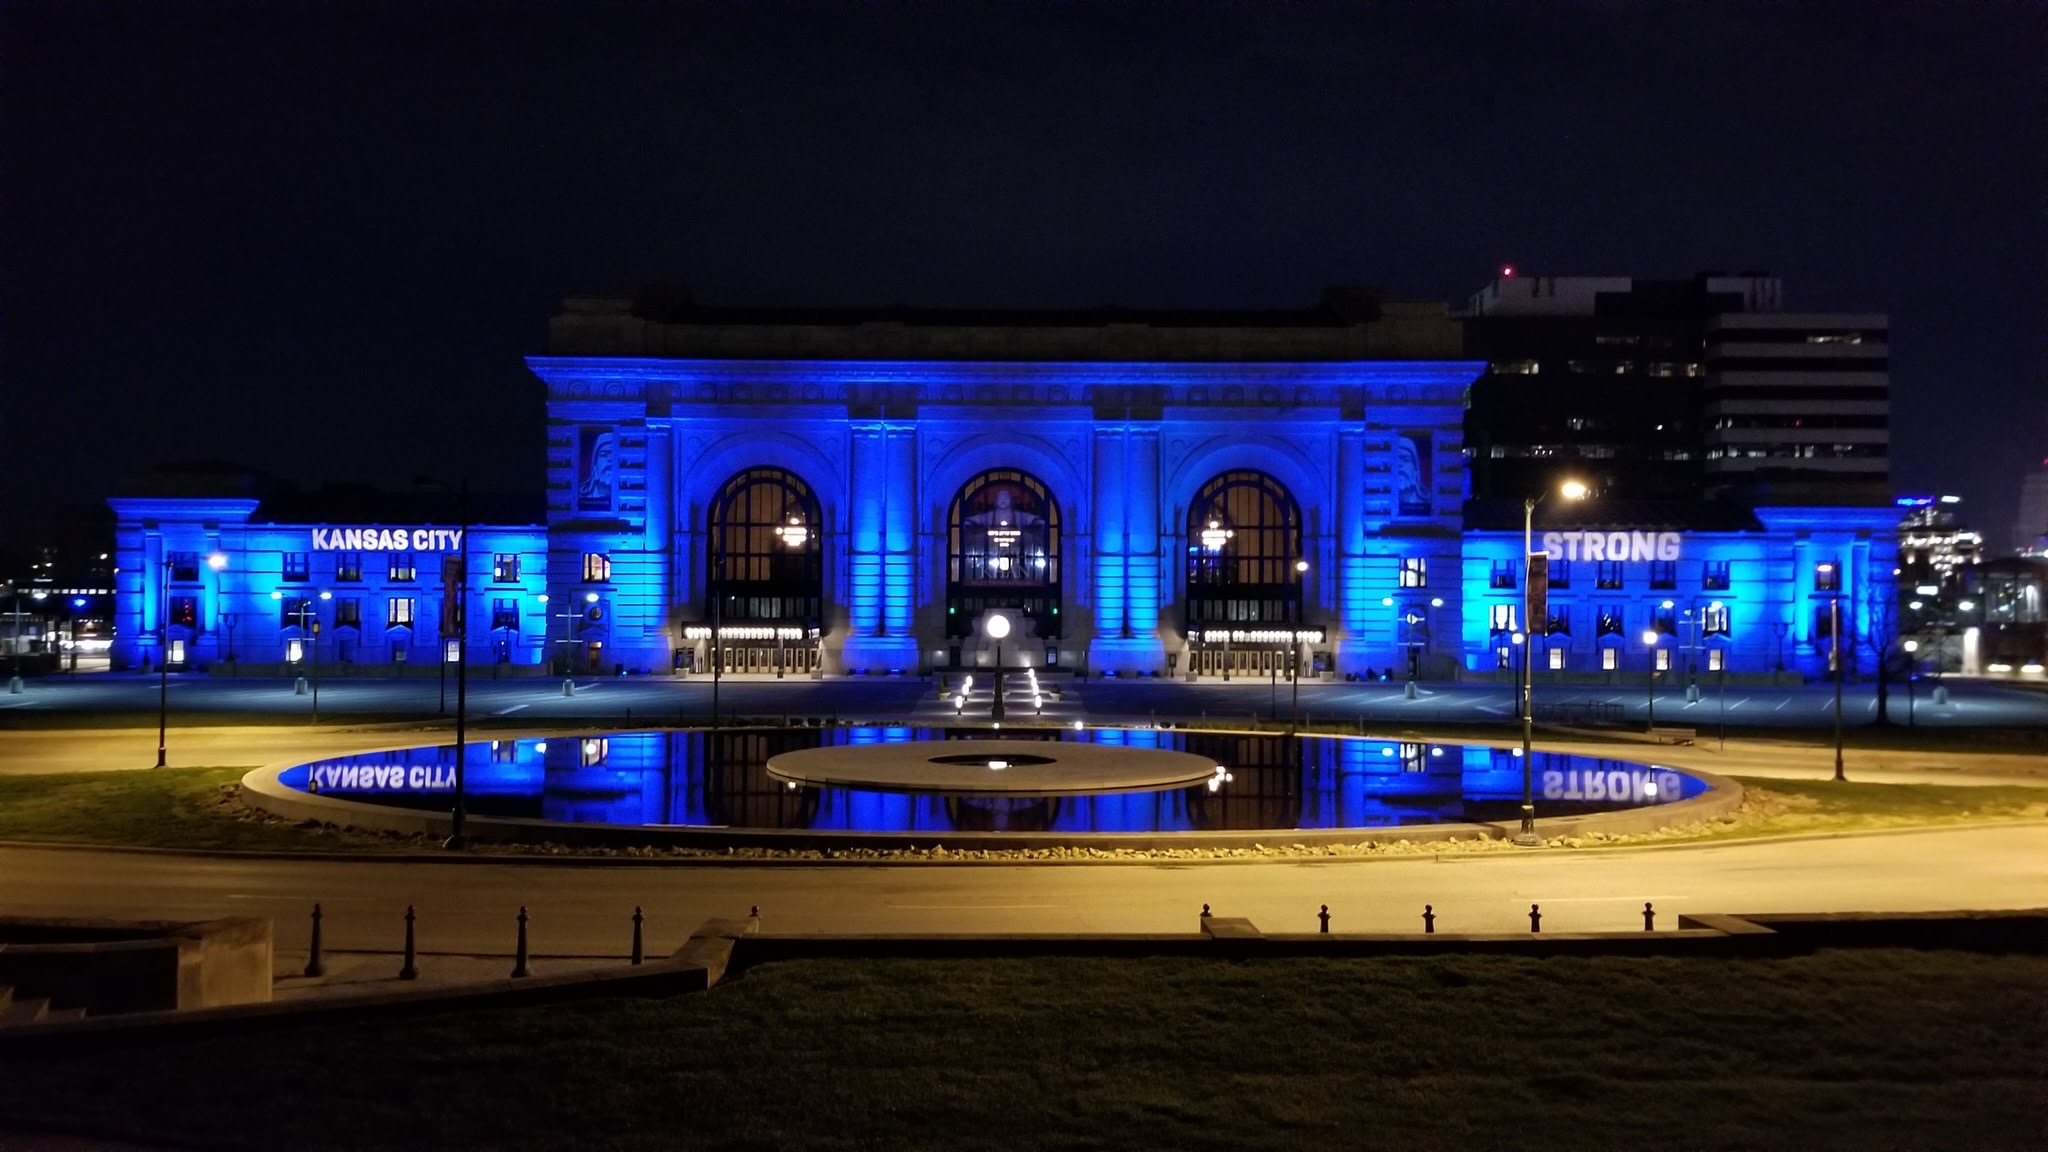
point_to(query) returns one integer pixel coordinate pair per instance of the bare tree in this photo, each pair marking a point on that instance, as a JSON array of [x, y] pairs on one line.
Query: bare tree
[[1881, 638]]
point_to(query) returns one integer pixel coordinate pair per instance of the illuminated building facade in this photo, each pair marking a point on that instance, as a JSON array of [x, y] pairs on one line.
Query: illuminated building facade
[[1171, 494]]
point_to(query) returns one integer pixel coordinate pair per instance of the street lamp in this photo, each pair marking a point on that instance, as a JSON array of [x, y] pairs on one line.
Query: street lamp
[[1294, 658], [997, 627], [1570, 490], [1912, 647], [163, 663], [1835, 655], [1650, 642]]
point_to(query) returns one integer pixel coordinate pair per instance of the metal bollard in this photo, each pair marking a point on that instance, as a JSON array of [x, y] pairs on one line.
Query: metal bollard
[[1429, 919], [1323, 918], [519, 961], [1649, 917], [1205, 911], [411, 970], [636, 933], [1535, 918], [313, 965], [754, 913]]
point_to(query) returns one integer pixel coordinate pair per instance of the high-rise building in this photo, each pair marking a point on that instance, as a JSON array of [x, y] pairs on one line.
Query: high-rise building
[[1797, 407], [1663, 389], [2030, 530]]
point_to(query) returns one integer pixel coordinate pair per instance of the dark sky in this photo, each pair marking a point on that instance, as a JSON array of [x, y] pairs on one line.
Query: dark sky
[[319, 238]]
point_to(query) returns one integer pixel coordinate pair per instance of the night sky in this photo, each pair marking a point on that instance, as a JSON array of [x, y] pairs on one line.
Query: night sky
[[318, 239]]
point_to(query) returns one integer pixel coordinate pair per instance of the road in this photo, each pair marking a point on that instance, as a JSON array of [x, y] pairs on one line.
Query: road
[[469, 907], [540, 699]]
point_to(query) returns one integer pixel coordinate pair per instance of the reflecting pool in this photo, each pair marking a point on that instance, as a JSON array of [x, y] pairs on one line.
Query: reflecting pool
[[719, 779]]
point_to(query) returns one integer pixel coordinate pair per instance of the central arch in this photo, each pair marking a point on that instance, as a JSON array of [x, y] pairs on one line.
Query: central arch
[[1003, 550], [767, 572]]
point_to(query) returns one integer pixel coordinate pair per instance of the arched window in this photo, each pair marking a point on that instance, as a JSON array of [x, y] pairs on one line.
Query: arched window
[[1003, 551], [1244, 548], [765, 558]]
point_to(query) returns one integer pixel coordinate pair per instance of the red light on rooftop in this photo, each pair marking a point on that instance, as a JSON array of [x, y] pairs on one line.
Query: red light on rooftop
[[1507, 272]]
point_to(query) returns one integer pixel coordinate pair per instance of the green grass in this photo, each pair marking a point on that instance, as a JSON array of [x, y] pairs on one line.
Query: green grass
[[1855, 1050], [161, 808], [1777, 807]]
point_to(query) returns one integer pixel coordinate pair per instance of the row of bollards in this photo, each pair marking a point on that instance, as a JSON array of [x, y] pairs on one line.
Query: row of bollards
[[1429, 919], [316, 963]]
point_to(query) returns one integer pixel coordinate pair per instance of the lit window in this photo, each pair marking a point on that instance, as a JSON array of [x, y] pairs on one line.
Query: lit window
[[1414, 572], [1716, 659], [401, 567], [398, 612], [1826, 578], [348, 567], [1557, 659], [597, 567], [1610, 659], [505, 567], [1715, 619], [1504, 617], [1663, 659]]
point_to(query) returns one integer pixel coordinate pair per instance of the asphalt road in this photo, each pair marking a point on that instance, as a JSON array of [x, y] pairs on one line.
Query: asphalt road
[[470, 907], [658, 699]]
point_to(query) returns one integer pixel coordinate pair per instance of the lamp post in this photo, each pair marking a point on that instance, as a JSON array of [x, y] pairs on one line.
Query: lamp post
[[163, 662], [457, 838], [1294, 659], [309, 629], [1650, 642], [1912, 647], [1835, 654], [997, 627], [1570, 490]]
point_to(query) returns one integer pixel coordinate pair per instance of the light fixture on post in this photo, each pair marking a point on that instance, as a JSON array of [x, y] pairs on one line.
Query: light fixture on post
[[1650, 642], [217, 561], [163, 663], [995, 628], [1911, 648], [1534, 599], [1294, 658], [1835, 652]]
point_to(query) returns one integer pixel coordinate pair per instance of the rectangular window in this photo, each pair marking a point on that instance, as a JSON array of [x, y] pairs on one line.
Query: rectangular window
[[1414, 572], [1827, 578], [451, 652], [298, 567], [348, 567], [1663, 574], [1716, 659], [295, 612], [597, 567], [1504, 658], [505, 612], [1663, 659], [1560, 573], [294, 650], [505, 567], [1714, 620], [398, 612], [348, 613], [1504, 617], [402, 567], [1610, 658], [1503, 574], [1665, 620], [185, 611], [1716, 576], [1609, 575], [1556, 658], [1610, 620], [1558, 622], [184, 565]]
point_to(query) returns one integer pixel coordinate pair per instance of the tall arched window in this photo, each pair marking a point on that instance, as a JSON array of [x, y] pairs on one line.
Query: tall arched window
[[1244, 547], [765, 557], [1003, 551]]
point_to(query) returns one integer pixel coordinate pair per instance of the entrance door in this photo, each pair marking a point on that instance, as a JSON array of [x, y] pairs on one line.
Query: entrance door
[[593, 657]]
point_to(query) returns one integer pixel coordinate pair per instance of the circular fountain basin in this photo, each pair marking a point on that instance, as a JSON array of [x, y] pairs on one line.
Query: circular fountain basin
[[992, 768]]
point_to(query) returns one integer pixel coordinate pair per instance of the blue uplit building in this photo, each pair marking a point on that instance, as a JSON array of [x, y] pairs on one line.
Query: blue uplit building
[[1173, 494]]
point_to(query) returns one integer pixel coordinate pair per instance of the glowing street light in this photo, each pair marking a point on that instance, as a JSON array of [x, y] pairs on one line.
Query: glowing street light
[[1570, 489]]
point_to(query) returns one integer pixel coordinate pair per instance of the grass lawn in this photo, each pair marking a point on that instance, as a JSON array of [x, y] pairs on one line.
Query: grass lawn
[[161, 808], [1855, 1050], [1775, 807]]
